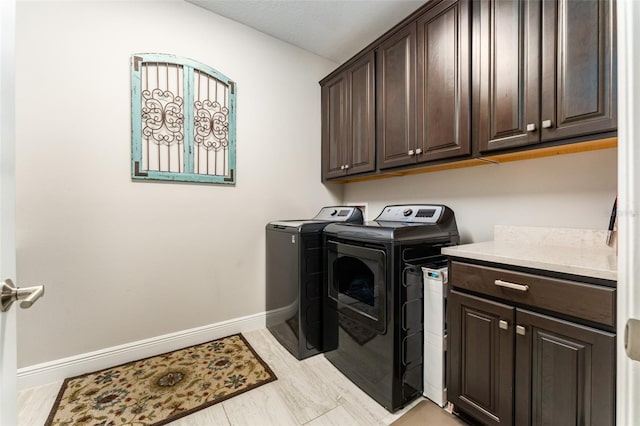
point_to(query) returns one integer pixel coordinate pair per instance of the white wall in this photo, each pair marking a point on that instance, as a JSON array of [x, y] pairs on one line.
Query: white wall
[[124, 261], [575, 191]]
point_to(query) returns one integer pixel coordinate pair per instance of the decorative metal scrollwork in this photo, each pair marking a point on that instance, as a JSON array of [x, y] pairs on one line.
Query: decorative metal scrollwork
[[183, 120], [162, 117], [211, 125]]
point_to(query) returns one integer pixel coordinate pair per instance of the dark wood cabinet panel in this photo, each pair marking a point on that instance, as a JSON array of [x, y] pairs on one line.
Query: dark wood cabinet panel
[[481, 357], [395, 121], [597, 303], [545, 71], [473, 78], [443, 61], [423, 88], [334, 126], [564, 373], [361, 146], [514, 363], [507, 61], [578, 68], [348, 122]]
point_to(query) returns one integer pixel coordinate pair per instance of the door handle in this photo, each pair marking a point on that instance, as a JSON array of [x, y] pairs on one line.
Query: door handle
[[632, 339], [9, 293], [514, 286]]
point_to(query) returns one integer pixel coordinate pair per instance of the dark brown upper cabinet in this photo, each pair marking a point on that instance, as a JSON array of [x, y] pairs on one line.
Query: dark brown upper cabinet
[[443, 82], [544, 71], [348, 132], [396, 98], [423, 88]]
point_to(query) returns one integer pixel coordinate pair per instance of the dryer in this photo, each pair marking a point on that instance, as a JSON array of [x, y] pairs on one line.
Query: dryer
[[373, 326]]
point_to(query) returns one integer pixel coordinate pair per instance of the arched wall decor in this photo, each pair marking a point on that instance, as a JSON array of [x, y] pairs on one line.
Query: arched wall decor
[[183, 120]]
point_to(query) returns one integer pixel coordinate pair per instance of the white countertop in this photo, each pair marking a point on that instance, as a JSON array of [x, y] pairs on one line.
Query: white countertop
[[571, 251]]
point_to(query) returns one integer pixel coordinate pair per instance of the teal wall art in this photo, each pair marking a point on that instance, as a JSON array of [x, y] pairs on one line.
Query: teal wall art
[[183, 121]]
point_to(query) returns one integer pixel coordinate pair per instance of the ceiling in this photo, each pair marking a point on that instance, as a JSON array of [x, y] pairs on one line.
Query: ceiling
[[334, 29]]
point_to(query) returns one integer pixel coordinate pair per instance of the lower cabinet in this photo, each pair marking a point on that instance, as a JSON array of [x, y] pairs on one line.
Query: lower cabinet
[[481, 356], [509, 365]]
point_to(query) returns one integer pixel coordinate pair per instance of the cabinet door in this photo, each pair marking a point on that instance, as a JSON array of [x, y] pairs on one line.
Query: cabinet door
[[443, 81], [395, 76], [481, 358], [506, 54], [334, 126], [565, 373], [578, 68], [361, 147]]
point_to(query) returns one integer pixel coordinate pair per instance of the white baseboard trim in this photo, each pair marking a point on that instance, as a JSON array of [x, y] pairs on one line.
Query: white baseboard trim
[[53, 371]]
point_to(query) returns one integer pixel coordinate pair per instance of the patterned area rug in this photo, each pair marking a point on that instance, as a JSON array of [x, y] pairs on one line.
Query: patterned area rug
[[161, 389]]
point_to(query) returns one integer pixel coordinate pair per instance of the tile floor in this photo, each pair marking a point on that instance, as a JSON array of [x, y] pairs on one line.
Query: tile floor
[[309, 392]]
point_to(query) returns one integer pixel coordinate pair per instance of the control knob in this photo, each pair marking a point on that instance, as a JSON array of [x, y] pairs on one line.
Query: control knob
[[407, 212]]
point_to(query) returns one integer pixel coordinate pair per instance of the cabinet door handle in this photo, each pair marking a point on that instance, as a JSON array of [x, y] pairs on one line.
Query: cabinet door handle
[[418, 151], [346, 166], [531, 127], [342, 167], [514, 286], [410, 152], [521, 330], [546, 124], [503, 324]]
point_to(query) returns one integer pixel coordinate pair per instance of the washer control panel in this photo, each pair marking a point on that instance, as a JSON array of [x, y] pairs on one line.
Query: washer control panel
[[415, 213], [337, 213]]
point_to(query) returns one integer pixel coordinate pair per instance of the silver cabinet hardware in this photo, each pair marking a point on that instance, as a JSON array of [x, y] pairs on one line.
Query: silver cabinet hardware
[[521, 330], [632, 339], [418, 151], [503, 324], [342, 167], [514, 286], [346, 166], [411, 152], [546, 124], [9, 293], [531, 127]]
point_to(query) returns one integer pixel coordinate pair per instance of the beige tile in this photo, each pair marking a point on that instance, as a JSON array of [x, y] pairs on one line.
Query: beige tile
[[306, 393], [261, 406], [34, 404], [355, 401], [271, 352], [214, 415], [339, 416]]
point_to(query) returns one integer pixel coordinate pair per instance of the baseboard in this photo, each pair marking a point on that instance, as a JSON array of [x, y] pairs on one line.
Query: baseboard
[[52, 371]]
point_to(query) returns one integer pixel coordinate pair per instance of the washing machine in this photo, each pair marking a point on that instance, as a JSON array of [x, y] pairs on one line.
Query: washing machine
[[295, 278]]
